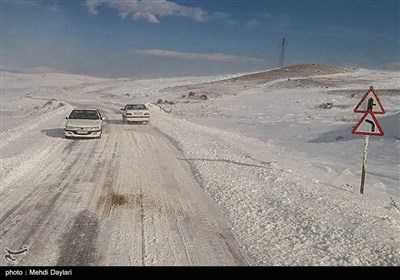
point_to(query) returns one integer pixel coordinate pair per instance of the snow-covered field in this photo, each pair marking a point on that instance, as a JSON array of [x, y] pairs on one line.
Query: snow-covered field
[[290, 114], [281, 170]]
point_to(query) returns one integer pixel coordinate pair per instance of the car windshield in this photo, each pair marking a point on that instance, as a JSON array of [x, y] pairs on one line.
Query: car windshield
[[136, 107], [84, 114]]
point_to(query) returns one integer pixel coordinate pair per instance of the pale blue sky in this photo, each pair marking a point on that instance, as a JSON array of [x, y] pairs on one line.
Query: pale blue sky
[[168, 38]]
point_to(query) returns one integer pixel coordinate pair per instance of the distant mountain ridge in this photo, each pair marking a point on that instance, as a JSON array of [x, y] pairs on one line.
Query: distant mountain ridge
[[34, 70], [298, 70]]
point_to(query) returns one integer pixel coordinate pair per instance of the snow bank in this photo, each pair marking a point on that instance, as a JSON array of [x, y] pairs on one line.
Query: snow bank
[[390, 125], [280, 216], [33, 122]]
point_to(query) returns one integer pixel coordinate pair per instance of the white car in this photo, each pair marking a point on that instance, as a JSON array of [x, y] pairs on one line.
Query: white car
[[84, 123], [135, 113]]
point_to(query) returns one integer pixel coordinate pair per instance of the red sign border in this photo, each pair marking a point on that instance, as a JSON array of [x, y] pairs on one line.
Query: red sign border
[[381, 133], [371, 89]]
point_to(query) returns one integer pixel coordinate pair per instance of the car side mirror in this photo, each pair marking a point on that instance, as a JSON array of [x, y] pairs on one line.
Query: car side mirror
[[122, 109], [66, 118]]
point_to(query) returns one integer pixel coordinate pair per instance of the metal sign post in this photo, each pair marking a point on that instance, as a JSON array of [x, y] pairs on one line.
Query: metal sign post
[[364, 163]]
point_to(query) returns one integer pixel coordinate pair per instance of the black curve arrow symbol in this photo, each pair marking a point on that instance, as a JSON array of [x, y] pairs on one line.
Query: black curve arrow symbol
[[372, 125]]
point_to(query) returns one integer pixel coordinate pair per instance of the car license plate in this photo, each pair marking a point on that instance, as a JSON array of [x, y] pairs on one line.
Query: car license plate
[[81, 132], [137, 113]]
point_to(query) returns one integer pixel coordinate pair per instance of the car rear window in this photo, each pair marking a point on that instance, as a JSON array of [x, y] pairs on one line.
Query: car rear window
[[136, 107], [84, 114]]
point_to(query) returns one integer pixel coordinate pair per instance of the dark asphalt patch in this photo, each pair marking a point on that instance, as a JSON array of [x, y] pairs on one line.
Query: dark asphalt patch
[[78, 245]]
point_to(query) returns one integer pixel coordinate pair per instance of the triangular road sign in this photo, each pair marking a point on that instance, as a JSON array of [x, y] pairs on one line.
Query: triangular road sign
[[368, 125], [370, 101]]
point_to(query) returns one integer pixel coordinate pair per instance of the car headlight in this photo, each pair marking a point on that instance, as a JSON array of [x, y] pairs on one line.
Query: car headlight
[[70, 127]]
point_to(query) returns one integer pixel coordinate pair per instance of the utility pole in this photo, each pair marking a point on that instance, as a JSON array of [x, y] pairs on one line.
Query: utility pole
[[282, 52]]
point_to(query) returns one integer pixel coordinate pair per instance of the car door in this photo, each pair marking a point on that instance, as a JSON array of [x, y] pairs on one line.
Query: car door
[[124, 111], [101, 119]]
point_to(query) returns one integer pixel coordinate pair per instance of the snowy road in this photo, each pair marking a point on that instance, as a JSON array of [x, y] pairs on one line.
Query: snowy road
[[125, 199]]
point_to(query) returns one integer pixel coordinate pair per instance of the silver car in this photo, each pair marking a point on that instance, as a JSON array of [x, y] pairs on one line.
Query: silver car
[[135, 113], [84, 123]]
